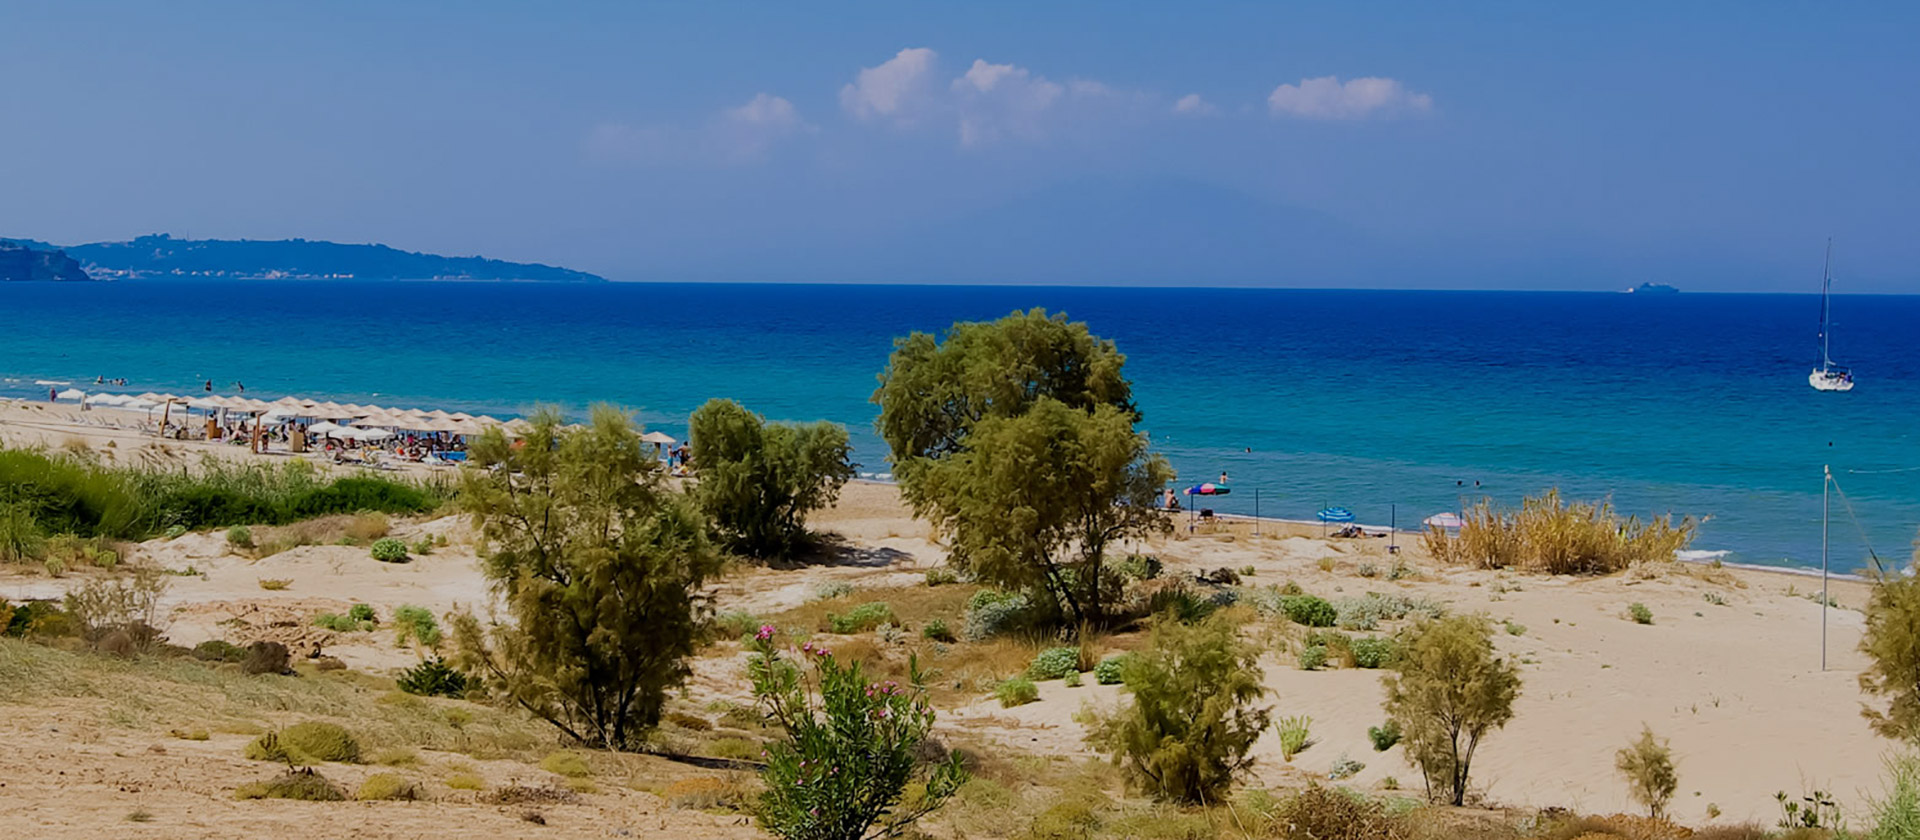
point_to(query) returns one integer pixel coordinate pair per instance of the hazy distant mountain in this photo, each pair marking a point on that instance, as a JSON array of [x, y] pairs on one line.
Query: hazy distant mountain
[[161, 255], [23, 259]]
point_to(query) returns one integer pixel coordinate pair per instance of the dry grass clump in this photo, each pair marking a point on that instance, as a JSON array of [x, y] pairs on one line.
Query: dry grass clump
[[1555, 537], [275, 584], [1616, 827], [387, 787], [466, 781], [709, 793], [304, 784], [531, 795], [306, 743], [566, 763]]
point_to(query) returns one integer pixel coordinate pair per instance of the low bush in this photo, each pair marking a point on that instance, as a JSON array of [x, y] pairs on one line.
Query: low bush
[[832, 589], [302, 784], [936, 630], [1071, 680], [368, 525], [1109, 669], [1016, 691], [1385, 735], [706, 793], [1054, 663], [1647, 765], [860, 619], [396, 757], [1372, 651], [1181, 601], [240, 536], [422, 546], [341, 623], [1312, 657], [309, 742], [1345, 768], [566, 763], [219, 650], [416, 623], [388, 550], [387, 787], [991, 613], [1294, 735], [1320, 813], [466, 781], [1309, 610], [433, 678], [266, 658], [362, 612], [941, 576], [275, 584], [1639, 613], [1139, 566], [1549, 535]]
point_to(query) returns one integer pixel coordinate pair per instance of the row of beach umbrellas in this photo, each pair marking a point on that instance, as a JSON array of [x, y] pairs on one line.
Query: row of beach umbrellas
[[1446, 521], [359, 418]]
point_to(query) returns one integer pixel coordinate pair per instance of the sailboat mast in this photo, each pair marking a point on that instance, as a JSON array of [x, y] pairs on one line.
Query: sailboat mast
[[1826, 284]]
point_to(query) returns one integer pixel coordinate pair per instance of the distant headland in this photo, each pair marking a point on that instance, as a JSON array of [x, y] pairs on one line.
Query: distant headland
[[1653, 289], [160, 256], [23, 260]]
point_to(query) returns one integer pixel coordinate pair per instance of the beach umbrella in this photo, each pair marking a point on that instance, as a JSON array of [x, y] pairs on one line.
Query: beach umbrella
[[71, 394], [1209, 489], [657, 437], [373, 434], [1444, 520], [106, 399], [1335, 514], [324, 427]]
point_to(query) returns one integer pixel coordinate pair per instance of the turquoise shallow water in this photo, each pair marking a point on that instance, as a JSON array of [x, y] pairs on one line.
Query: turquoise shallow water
[[1379, 401]]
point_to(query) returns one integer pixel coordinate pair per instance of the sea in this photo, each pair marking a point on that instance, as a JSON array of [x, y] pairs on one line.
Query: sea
[[1393, 404]]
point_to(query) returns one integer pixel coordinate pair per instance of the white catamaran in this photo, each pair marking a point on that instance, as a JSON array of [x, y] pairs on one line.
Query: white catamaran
[[1828, 376]]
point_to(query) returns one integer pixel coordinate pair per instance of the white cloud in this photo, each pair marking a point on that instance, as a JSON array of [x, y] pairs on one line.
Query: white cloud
[[897, 89], [737, 136], [1001, 100], [1193, 105], [1327, 98]]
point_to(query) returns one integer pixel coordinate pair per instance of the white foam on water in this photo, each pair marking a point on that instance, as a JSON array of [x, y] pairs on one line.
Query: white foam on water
[[1698, 556]]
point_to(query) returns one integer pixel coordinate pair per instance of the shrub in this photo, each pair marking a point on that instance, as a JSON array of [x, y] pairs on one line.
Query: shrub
[[1313, 657], [387, 786], [850, 750], [1385, 735], [240, 536], [340, 623], [362, 612], [175, 532], [936, 630], [1071, 680], [1182, 602], [1372, 651], [219, 650], [1318, 812], [1016, 691], [1639, 613], [1139, 566], [941, 576], [1345, 768], [861, 618], [127, 605], [1896, 813], [1891, 642], [368, 525], [1055, 663], [1551, 536], [397, 757], [832, 589], [265, 658], [759, 480], [1309, 610], [416, 623], [1109, 671], [306, 743], [991, 612], [1294, 737], [422, 546], [388, 550], [1448, 690], [466, 781], [566, 763], [275, 584], [1192, 724], [433, 678], [702, 793], [1647, 765], [304, 784]]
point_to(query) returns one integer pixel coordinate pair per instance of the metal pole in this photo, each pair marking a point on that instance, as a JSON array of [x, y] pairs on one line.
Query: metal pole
[[1826, 485], [1393, 528], [1256, 511]]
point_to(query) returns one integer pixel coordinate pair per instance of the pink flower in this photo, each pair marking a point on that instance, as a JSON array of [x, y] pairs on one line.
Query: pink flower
[[806, 648], [822, 651], [766, 632]]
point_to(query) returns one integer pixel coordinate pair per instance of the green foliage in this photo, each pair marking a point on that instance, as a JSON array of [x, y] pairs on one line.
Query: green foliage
[[303, 784], [1549, 535], [1366, 613], [1372, 651], [362, 612], [1071, 679], [1385, 735], [601, 569], [759, 480], [20, 538], [1345, 768], [218, 650], [175, 532], [936, 630], [1891, 643], [1447, 691], [240, 536], [1140, 566], [1055, 663], [265, 658], [309, 742], [1182, 602], [387, 787], [860, 619], [941, 576], [1312, 657], [1294, 735], [1192, 723], [341, 623], [1647, 765], [1016, 691], [991, 612], [433, 678], [1639, 613], [566, 763], [850, 755], [1896, 813], [1309, 610], [1320, 813], [389, 550], [1110, 669], [416, 623]]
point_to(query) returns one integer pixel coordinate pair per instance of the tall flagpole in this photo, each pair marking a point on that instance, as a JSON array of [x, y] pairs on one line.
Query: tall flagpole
[[1826, 486]]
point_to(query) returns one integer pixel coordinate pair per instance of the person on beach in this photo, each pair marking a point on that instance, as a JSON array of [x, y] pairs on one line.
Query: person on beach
[[209, 386]]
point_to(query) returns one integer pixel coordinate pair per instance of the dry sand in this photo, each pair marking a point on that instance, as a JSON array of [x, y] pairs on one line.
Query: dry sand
[[1738, 687]]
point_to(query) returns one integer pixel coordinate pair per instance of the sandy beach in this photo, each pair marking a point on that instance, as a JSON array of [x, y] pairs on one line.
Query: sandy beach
[[1729, 669]]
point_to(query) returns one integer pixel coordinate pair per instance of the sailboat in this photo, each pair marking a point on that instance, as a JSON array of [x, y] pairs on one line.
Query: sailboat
[[1828, 377]]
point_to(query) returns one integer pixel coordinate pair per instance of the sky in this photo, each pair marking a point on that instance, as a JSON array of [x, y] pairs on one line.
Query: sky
[[1711, 145]]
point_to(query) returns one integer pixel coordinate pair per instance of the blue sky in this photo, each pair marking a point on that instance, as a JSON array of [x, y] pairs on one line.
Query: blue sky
[[1479, 145]]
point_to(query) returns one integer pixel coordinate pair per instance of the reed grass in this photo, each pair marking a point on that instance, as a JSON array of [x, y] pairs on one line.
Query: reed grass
[[1553, 536]]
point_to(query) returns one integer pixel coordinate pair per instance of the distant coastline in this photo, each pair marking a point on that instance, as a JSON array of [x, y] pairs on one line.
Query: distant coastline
[[162, 257]]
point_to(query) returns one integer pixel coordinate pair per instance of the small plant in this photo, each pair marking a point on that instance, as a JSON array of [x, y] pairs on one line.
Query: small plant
[[219, 650], [1385, 735], [275, 584], [306, 743], [1345, 768], [1715, 599], [362, 612], [1139, 566], [466, 781], [433, 678], [340, 623], [1016, 691], [302, 784], [941, 576], [422, 546], [936, 630], [265, 658], [1108, 671], [1248, 571], [1647, 765], [1309, 610], [861, 618], [832, 589], [388, 550], [240, 536], [991, 613], [1313, 657], [1371, 651], [1054, 663], [396, 757], [1513, 628], [1817, 809], [416, 623], [1367, 570], [1071, 680], [566, 763], [1293, 733], [387, 787], [1390, 783], [1639, 613], [175, 532]]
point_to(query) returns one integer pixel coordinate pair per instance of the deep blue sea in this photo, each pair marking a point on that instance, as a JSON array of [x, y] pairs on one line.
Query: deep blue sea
[[1385, 402]]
